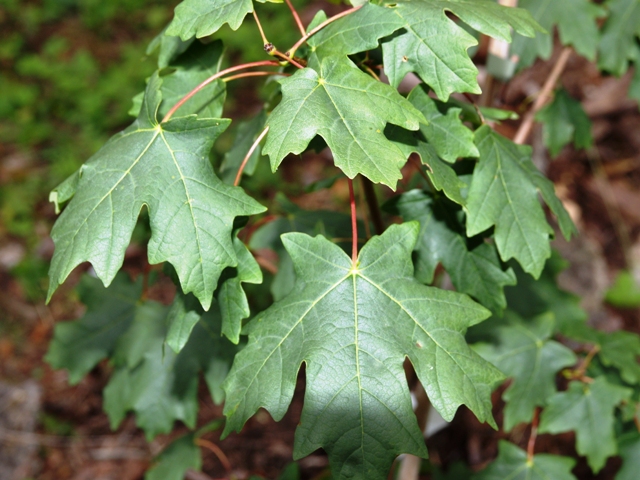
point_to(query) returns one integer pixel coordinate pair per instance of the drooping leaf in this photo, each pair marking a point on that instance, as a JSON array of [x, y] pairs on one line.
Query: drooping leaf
[[357, 32], [201, 18], [449, 136], [353, 327], [349, 110], [184, 314], [504, 193], [577, 25], [174, 461], [434, 47], [531, 297], [165, 167], [513, 464], [629, 449], [564, 120], [588, 409], [247, 133], [619, 36], [525, 353], [157, 384], [474, 269], [78, 346], [625, 291]]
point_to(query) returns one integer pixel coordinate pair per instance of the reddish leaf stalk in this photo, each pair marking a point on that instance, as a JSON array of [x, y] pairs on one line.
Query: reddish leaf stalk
[[354, 224], [296, 17], [224, 460], [534, 434], [306, 37], [248, 156], [213, 78], [253, 74]]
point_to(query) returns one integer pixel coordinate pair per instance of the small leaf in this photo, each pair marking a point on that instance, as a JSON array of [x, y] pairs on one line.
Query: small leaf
[[169, 48], [577, 25], [65, 191], [476, 270], [78, 346], [587, 409], [513, 464], [434, 47], [619, 36], [524, 352], [184, 314], [353, 326], [349, 110], [625, 292], [174, 461], [621, 350], [504, 193], [564, 120], [165, 167]]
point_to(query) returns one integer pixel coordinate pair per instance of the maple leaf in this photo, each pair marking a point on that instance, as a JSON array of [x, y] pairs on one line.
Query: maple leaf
[[619, 36], [621, 350], [201, 18], [168, 47], [78, 346], [587, 409], [523, 351], [357, 32], [433, 46], [474, 269], [174, 461], [564, 120], [164, 166], [353, 326], [577, 25], [629, 447], [513, 464], [349, 110], [504, 193]]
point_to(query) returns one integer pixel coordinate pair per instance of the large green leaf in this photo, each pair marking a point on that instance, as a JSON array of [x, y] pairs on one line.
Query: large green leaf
[[577, 26], [357, 32], [78, 346], [619, 36], [474, 269], [588, 409], [165, 167], [564, 120], [513, 464], [433, 46], [504, 193], [524, 352], [349, 110], [353, 326]]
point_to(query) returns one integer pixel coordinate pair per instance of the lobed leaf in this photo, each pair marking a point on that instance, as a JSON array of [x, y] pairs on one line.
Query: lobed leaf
[[201, 18], [619, 36], [353, 326]]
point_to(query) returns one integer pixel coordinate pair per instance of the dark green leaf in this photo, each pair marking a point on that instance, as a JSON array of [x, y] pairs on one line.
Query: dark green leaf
[[629, 448], [169, 48], [353, 327], [165, 167], [619, 36], [621, 350], [587, 409], [525, 353], [475, 270], [78, 346], [174, 461], [564, 120], [513, 464], [247, 133], [349, 110]]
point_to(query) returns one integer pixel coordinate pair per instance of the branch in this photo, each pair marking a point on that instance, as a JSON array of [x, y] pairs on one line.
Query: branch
[[306, 37], [213, 78], [527, 124]]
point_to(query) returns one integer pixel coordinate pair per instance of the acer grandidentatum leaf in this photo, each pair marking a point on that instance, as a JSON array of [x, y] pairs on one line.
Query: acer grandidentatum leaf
[[513, 464], [165, 167], [353, 326], [435, 48], [349, 110]]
